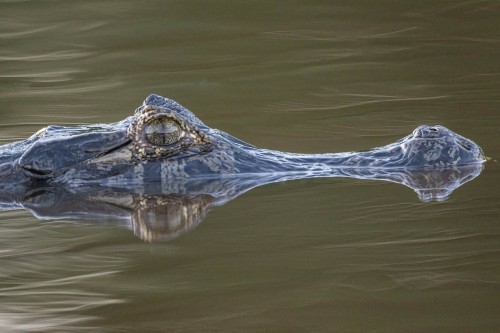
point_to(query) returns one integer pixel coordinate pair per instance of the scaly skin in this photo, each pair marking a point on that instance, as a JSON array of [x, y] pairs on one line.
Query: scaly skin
[[121, 155], [114, 171]]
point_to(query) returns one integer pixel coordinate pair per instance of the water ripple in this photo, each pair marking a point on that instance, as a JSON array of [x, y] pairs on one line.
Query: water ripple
[[22, 33], [47, 284], [43, 77], [49, 56]]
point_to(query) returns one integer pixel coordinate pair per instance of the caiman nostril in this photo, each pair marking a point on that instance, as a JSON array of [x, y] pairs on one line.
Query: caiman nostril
[[417, 133], [426, 132]]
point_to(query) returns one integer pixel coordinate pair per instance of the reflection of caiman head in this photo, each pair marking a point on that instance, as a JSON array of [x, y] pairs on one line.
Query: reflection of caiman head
[[159, 213], [151, 217], [174, 167], [160, 218]]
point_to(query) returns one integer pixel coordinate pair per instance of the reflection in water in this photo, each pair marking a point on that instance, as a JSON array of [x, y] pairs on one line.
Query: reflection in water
[[160, 212]]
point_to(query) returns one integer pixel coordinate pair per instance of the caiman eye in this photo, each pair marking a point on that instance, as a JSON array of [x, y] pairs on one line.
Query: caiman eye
[[163, 131], [158, 133]]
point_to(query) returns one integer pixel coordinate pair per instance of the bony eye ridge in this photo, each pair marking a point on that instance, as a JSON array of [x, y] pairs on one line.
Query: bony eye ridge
[[158, 133], [163, 131]]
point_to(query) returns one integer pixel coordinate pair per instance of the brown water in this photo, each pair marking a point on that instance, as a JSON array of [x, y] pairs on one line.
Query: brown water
[[323, 255]]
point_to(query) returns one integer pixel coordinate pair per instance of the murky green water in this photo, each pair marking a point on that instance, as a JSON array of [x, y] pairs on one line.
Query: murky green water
[[322, 255]]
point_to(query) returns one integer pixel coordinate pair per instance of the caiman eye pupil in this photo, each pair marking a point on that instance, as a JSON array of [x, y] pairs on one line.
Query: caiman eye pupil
[[163, 131]]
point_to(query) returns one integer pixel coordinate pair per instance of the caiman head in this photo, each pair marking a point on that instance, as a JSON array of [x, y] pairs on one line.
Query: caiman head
[[164, 141], [161, 140]]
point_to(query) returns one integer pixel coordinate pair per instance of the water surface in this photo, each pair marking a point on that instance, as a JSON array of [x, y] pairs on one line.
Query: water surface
[[317, 255]]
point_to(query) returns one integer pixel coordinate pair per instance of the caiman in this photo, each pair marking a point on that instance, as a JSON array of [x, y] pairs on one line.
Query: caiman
[[164, 154], [164, 141]]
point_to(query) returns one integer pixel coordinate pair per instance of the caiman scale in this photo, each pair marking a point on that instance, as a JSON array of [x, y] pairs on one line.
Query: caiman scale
[[164, 141]]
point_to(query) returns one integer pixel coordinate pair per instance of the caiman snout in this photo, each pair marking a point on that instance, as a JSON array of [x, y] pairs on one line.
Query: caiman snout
[[57, 148], [425, 131]]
